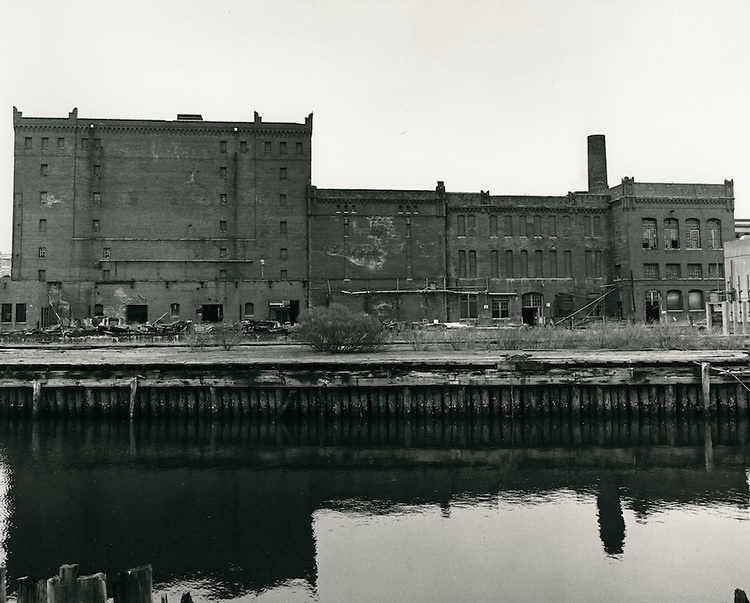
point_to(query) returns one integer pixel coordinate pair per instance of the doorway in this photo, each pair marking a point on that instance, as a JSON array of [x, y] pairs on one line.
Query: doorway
[[136, 313], [212, 312], [653, 306]]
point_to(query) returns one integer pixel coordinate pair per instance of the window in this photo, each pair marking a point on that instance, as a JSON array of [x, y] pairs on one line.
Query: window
[[107, 253], [222, 199], [249, 309], [223, 146], [43, 169], [282, 199], [97, 198], [524, 264], [84, 144], [45, 144], [282, 148], [243, 146], [60, 144], [282, 227], [283, 275], [493, 225], [537, 226], [298, 148], [671, 234], [651, 271], [461, 226], [567, 263], [468, 306], [462, 264], [538, 264], [649, 233], [553, 263], [596, 226], [42, 224], [500, 308], [508, 226], [695, 270], [223, 172], [174, 309], [98, 144], [695, 300], [282, 253], [105, 275], [509, 263], [98, 309], [472, 264], [587, 226], [20, 312], [42, 253], [692, 234], [42, 275], [222, 225], [674, 300], [95, 225], [43, 198], [714, 234], [282, 173], [672, 271], [267, 147], [716, 271], [6, 313], [97, 170], [222, 275], [588, 264], [27, 143], [529, 226], [222, 253], [494, 264], [551, 226], [597, 263]]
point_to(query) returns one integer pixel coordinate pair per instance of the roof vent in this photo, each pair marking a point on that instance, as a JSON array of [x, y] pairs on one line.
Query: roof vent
[[189, 117]]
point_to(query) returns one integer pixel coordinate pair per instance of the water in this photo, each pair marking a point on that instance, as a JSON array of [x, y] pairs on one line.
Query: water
[[358, 511]]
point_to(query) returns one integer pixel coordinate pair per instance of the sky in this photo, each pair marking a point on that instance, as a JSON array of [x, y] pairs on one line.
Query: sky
[[482, 94]]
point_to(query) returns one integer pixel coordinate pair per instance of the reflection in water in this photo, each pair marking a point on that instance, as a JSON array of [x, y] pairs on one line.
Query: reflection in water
[[611, 521], [370, 511]]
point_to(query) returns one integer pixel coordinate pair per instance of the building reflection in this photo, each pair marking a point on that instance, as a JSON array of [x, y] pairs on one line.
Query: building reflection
[[235, 502]]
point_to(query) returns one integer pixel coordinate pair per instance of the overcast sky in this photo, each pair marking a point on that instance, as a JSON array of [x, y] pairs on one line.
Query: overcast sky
[[482, 94]]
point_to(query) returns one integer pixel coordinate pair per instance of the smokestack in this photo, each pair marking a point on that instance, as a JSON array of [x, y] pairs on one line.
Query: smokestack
[[597, 164]]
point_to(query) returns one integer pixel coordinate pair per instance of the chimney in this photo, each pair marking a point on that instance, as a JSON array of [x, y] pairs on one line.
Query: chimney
[[597, 164]]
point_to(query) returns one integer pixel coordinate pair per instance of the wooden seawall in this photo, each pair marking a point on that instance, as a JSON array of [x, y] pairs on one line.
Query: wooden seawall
[[289, 381]]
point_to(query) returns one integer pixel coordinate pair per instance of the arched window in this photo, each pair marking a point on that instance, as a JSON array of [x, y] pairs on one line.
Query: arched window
[[671, 233], [695, 300], [674, 300], [692, 234], [649, 233], [714, 234], [249, 309]]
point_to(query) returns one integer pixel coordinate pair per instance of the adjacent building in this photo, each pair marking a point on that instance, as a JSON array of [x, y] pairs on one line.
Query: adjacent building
[[150, 220]]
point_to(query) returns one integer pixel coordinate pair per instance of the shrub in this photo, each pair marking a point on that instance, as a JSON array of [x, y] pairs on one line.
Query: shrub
[[338, 329]]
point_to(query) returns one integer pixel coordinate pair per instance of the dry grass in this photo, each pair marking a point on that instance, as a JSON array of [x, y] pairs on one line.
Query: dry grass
[[599, 337]]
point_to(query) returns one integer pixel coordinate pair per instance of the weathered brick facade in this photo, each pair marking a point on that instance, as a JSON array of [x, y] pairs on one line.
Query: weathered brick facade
[[194, 219]]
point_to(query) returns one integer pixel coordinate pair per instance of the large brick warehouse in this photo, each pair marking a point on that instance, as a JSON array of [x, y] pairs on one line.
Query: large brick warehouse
[[150, 220]]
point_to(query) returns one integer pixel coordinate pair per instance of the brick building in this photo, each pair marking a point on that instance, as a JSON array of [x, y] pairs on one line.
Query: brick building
[[146, 220]]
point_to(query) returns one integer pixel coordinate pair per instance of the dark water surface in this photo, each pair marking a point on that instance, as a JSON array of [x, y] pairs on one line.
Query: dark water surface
[[397, 511]]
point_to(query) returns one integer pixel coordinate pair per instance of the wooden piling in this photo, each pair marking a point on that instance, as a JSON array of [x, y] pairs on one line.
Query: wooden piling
[[706, 386], [31, 591], [133, 586], [133, 397], [93, 589]]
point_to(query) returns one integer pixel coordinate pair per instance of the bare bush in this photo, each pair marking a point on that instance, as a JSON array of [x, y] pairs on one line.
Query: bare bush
[[338, 329]]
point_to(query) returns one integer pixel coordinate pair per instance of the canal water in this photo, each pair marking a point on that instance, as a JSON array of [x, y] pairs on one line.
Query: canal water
[[384, 511]]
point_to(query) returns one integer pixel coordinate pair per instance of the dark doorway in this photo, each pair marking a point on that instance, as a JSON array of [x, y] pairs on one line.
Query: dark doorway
[[212, 312], [136, 313], [528, 315], [653, 306], [293, 311]]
